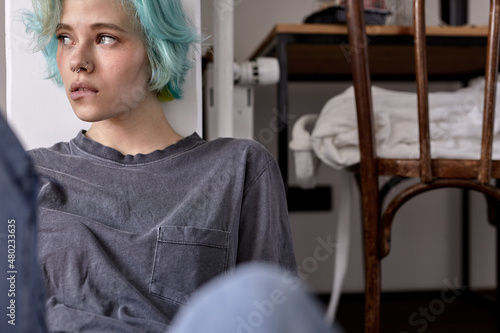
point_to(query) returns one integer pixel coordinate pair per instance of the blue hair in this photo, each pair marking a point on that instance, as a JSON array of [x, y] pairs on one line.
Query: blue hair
[[167, 30]]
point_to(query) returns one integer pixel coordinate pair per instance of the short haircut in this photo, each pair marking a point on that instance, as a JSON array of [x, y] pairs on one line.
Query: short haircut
[[167, 31]]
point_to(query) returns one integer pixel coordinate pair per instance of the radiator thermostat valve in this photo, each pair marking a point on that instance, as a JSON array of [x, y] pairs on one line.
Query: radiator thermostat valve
[[261, 71]]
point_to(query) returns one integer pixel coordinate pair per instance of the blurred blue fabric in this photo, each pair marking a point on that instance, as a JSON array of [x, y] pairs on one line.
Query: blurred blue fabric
[[256, 298], [21, 292]]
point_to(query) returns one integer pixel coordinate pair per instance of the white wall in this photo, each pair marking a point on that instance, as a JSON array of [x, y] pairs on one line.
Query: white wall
[[426, 242], [40, 113]]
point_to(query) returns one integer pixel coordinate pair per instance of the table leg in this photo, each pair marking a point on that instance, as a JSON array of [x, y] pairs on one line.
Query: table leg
[[497, 226], [282, 95]]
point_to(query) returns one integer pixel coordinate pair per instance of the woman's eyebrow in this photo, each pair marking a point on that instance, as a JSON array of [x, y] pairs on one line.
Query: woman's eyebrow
[[95, 26], [98, 26], [63, 26]]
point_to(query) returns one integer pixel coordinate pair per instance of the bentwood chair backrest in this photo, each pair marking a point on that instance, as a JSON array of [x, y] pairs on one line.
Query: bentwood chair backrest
[[432, 173]]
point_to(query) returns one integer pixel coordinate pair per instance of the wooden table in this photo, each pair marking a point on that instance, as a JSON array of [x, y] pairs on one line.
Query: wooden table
[[321, 52]]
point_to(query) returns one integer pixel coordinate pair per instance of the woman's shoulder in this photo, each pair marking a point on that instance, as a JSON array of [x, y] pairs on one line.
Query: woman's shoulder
[[248, 149], [49, 155]]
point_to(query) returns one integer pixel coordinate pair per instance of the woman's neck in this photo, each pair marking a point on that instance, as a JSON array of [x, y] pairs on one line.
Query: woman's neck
[[139, 132]]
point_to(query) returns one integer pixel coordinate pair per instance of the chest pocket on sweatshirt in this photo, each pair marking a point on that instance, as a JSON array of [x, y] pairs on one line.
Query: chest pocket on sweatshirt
[[185, 259]]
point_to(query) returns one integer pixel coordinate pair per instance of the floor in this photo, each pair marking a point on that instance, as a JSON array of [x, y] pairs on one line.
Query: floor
[[429, 312]]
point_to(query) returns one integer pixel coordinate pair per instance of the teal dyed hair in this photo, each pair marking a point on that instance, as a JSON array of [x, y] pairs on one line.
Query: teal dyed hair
[[167, 30]]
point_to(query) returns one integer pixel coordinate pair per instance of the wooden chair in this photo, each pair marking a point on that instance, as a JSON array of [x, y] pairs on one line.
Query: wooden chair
[[433, 173]]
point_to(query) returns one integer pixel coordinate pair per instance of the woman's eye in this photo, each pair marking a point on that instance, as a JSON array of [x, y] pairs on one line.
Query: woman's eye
[[105, 40], [64, 39]]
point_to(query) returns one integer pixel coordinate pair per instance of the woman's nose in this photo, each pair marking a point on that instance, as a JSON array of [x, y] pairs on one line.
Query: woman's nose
[[81, 60]]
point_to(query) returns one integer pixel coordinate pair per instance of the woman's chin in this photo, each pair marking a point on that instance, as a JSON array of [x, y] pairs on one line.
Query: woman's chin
[[89, 117]]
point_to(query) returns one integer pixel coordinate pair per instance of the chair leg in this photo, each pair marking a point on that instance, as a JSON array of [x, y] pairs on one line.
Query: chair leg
[[465, 238], [372, 265], [372, 289], [494, 209], [371, 223], [497, 293], [497, 296]]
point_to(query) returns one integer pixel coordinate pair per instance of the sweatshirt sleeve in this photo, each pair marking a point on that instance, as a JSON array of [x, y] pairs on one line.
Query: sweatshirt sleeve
[[264, 233]]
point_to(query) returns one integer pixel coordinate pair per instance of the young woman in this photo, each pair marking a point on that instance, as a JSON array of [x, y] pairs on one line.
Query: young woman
[[133, 217]]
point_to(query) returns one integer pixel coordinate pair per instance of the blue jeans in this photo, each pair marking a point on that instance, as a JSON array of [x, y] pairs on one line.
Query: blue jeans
[[21, 291], [257, 298]]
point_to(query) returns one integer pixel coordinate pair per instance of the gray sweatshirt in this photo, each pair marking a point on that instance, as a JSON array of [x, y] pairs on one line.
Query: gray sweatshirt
[[125, 240]]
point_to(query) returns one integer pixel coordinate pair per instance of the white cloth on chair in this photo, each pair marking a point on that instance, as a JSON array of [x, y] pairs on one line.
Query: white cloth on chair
[[455, 126], [345, 190], [306, 162]]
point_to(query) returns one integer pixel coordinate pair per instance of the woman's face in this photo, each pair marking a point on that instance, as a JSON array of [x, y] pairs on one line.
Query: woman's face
[[102, 59]]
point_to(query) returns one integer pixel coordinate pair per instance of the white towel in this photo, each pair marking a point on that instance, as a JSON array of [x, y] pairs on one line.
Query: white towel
[[306, 162], [455, 125]]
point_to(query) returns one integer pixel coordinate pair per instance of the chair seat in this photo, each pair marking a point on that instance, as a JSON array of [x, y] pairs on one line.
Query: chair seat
[[441, 168]]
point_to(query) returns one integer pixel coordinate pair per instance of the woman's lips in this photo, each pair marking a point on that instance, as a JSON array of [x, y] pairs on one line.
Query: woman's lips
[[79, 94], [81, 90]]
